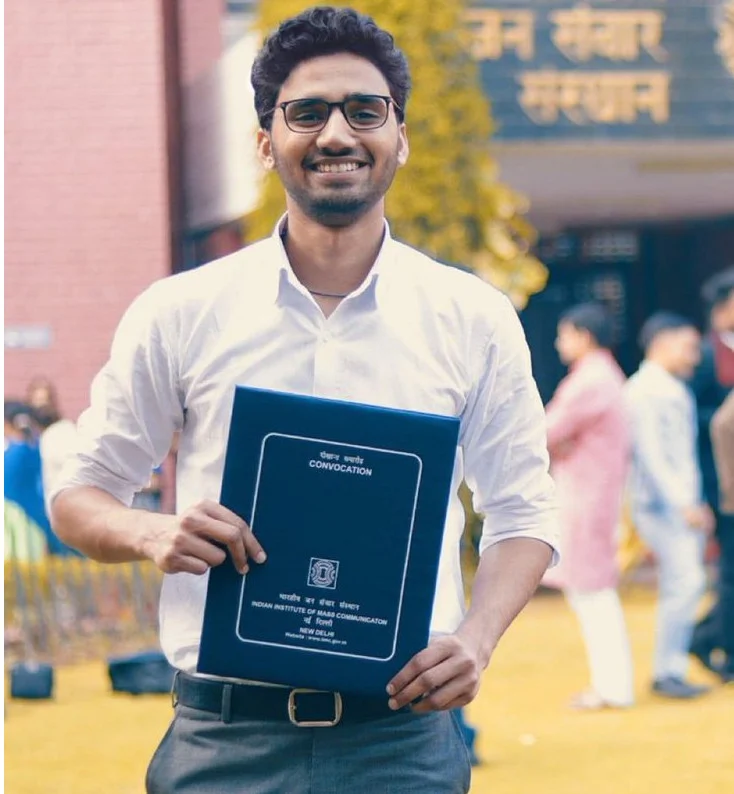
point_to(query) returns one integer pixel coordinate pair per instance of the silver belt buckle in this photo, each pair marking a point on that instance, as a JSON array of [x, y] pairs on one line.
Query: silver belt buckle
[[293, 717]]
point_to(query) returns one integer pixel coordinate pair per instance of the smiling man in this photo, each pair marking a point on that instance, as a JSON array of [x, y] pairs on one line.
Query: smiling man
[[332, 306]]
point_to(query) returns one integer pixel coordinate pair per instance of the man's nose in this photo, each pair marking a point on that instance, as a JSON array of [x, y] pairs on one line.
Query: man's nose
[[337, 134]]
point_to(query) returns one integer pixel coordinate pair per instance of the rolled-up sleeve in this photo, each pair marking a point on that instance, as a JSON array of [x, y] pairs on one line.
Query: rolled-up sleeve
[[504, 441], [135, 406]]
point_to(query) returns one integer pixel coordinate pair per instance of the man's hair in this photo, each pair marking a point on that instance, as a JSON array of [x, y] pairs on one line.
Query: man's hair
[[719, 288], [324, 30], [660, 323], [593, 318]]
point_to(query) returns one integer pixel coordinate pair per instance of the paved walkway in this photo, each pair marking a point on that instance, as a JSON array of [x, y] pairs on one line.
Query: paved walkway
[[89, 741]]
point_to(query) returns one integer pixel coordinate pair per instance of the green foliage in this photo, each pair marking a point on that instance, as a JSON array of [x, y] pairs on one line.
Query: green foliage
[[447, 200]]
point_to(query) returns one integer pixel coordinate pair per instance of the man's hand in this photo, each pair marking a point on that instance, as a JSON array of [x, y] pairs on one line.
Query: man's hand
[[187, 542], [445, 675], [701, 518]]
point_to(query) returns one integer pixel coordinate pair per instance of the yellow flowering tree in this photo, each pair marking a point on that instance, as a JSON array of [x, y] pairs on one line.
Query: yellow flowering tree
[[447, 201]]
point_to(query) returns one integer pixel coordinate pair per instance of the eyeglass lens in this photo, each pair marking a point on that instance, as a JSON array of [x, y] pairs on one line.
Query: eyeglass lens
[[361, 113]]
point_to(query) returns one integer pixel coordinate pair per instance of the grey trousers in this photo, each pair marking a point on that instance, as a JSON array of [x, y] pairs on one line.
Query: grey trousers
[[403, 754]]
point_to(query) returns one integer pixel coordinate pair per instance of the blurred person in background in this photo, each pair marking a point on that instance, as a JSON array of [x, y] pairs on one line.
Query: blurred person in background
[[712, 383], [23, 489], [25, 428], [58, 435], [666, 490], [589, 444]]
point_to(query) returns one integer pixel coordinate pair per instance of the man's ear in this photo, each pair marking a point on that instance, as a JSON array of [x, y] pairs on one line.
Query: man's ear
[[265, 150], [403, 147]]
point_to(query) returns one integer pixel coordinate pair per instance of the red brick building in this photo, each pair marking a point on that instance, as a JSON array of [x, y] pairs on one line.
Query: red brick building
[[93, 172]]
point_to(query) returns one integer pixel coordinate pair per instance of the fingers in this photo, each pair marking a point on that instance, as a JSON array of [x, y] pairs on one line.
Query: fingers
[[252, 548], [443, 676], [453, 694], [425, 684], [211, 521], [422, 673]]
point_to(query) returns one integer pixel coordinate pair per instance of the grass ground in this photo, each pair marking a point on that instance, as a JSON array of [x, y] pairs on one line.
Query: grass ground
[[89, 741]]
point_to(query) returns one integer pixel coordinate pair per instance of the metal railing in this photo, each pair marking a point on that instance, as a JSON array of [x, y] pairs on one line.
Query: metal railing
[[63, 609]]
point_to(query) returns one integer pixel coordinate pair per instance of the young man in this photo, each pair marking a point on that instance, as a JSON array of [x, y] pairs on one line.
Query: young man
[[712, 382], [332, 306], [667, 496], [589, 444]]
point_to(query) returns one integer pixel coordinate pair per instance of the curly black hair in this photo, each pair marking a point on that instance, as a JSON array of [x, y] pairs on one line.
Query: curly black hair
[[325, 30]]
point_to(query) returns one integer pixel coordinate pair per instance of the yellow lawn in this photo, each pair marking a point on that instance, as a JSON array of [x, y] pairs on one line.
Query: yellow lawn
[[89, 741]]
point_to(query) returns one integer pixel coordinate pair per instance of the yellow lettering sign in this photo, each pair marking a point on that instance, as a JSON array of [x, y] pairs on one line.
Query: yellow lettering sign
[[595, 97], [496, 32], [583, 33]]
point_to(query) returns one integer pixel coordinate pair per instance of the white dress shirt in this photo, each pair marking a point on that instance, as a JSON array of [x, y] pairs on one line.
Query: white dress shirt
[[415, 335], [665, 470]]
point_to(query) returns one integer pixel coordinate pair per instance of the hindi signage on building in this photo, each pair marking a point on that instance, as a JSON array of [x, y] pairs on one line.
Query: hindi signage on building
[[607, 69]]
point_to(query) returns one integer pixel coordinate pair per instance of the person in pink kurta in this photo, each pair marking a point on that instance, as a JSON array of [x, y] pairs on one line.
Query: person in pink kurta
[[589, 443]]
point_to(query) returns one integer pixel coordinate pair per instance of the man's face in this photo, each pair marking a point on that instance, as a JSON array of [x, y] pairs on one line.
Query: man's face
[[684, 351], [308, 163], [571, 343], [722, 316]]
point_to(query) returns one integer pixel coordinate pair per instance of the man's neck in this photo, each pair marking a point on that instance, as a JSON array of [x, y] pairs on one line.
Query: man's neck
[[660, 363], [584, 356], [334, 261]]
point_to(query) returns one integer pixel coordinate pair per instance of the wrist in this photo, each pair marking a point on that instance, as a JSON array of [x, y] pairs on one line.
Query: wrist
[[479, 640], [147, 531]]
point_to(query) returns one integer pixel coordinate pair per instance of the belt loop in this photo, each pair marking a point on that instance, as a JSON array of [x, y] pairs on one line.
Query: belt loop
[[174, 687], [227, 703]]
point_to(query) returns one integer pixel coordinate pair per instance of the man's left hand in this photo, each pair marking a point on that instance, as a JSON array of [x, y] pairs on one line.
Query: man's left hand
[[445, 675]]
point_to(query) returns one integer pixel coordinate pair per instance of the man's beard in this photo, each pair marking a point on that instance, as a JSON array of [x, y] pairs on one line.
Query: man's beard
[[332, 209], [336, 211]]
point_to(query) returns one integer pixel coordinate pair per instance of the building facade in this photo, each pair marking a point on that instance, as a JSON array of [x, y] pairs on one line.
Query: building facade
[[617, 120], [95, 207], [130, 155]]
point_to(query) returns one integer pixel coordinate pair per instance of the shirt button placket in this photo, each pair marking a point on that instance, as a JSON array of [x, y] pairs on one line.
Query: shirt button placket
[[325, 364]]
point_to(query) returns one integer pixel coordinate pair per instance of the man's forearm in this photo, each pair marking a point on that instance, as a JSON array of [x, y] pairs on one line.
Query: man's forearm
[[508, 574], [101, 527]]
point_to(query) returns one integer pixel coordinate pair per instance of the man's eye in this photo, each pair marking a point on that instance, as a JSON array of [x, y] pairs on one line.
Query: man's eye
[[307, 115]]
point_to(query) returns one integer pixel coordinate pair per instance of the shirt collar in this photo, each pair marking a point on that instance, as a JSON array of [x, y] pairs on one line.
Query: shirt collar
[[598, 354], [373, 285]]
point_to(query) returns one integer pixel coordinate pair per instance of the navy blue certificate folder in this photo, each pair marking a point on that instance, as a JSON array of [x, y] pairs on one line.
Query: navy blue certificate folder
[[349, 501]]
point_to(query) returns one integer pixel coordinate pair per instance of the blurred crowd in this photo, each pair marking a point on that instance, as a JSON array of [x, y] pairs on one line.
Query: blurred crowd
[[651, 458], [37, 441]]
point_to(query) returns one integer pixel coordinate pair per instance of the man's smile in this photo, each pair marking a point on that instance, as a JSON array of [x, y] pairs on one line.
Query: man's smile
[[341, 167]]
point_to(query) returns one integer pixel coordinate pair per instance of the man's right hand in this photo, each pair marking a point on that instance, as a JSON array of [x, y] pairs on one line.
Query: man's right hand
[[186, 543]]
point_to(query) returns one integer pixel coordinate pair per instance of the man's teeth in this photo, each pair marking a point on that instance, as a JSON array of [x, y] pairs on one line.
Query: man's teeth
[[336, 168]]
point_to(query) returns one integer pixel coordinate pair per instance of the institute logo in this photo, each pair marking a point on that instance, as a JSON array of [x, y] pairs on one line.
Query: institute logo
[[323, 573]]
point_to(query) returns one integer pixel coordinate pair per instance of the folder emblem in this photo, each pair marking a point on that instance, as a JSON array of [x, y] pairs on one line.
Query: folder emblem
[[323, 573]]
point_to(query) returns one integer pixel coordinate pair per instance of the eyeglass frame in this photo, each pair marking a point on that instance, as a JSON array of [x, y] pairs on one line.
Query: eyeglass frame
[[388, 100]]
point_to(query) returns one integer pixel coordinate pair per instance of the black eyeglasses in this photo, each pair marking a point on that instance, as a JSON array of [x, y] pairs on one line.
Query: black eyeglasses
[[361, 111]]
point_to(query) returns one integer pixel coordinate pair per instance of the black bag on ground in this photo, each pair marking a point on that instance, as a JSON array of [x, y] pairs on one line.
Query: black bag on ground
[[140, 673], [31, 681]]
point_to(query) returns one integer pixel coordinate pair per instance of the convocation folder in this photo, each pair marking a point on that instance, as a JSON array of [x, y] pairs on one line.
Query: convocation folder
[[349, 501]]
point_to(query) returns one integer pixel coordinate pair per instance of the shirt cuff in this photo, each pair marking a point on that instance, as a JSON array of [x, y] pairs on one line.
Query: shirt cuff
[[546, 532]]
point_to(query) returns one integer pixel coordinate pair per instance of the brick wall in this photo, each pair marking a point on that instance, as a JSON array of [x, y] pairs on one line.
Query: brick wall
[[200, 24], [86, 218]]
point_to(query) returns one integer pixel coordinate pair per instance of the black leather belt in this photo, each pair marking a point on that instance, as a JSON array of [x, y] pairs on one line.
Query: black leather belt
[[305, 708]]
